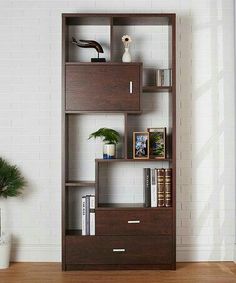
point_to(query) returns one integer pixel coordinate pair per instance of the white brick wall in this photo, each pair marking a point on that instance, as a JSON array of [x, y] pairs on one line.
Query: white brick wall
[[30, 64]]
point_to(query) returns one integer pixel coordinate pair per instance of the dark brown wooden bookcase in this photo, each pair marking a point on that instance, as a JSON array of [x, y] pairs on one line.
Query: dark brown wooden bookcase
[[152, 243]]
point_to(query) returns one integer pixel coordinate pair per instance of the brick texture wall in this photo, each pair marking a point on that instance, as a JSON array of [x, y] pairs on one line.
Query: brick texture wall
[[30, 121]]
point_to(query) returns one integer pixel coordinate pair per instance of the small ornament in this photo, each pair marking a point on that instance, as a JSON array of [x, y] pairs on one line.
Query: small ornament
[[126, 39]]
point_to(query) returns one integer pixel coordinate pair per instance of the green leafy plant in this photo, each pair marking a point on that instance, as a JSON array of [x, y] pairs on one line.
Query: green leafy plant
[[107, 135], [11, 180]]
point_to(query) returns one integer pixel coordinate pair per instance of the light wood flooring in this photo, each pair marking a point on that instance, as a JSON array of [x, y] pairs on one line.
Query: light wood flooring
[[217, 272]]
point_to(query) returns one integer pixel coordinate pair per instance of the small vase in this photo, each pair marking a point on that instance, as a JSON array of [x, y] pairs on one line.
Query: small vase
[[109, 151], [126, 56]]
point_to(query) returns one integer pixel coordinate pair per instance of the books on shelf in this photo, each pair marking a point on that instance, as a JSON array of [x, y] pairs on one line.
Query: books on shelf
[[92, 215], [157, 187], [153, 188], [83, 216], [163, 77], [160, 187], [168, 183], [88, 215], [147, 186]]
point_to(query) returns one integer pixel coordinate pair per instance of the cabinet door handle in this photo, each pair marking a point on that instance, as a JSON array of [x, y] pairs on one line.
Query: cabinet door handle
[[118, 250], [130, 87], [133, 221]]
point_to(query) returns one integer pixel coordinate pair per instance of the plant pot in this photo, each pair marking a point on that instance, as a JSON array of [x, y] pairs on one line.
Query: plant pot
[[109, 151], [5, 251]]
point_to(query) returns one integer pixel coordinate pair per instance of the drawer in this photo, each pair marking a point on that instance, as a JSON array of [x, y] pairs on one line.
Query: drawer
[[118, 250], [134, 222]]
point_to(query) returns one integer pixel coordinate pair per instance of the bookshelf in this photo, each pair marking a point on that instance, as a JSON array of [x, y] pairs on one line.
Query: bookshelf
[[128, 235]]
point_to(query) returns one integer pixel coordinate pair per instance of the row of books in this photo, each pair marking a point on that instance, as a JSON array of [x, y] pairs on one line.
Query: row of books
[[88, 215], [157, 187]]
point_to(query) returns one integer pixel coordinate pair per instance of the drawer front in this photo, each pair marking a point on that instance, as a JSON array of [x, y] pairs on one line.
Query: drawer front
[[103, 87], [134, 222], [118, 250]]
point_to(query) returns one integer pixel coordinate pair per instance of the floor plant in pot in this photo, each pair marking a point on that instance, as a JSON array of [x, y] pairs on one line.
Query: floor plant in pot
[[110, 138], [11, 185]]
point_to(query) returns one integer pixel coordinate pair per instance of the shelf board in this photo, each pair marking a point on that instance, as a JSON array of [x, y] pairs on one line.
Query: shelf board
[[80, 184], [102, 112], [87, 19], [118, 19], [153, 88], [120, 205], [141, 19], [77, 63], [73, 232], [110, 206], [132, 160]]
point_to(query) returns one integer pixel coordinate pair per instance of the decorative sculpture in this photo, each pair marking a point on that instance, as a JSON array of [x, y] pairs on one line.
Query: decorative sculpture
[[90, 44]]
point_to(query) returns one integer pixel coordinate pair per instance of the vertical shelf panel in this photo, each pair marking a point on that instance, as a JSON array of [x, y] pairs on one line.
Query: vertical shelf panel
[[173, 24]]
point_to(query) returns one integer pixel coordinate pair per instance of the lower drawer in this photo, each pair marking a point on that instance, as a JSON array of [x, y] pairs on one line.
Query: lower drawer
[[118, 249]]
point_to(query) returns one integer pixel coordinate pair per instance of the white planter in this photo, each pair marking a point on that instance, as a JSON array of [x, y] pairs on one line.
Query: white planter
[[5, 251], [109, 151]]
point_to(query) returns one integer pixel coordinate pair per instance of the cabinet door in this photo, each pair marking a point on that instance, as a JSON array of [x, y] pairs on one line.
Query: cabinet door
[[103, 87]]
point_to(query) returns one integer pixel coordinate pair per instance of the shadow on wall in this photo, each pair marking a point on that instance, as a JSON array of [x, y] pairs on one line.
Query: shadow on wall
[[205, 135]]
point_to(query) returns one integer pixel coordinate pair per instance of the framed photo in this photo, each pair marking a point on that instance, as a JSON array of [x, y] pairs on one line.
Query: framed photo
[[157, 142], [141, 145]]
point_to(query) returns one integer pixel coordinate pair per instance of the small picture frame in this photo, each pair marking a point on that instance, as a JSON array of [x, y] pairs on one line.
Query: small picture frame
[[140, 145], [157, 143]]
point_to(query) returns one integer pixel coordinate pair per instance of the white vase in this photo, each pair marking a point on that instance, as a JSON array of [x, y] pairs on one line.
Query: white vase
[[109, 151], [126, 56], [5, 251]]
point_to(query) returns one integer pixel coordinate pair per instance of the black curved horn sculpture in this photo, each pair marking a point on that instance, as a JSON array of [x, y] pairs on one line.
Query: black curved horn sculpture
[[90, 44]]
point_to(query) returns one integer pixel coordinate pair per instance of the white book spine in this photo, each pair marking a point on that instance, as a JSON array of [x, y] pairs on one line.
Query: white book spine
[[153, 188], [83, 216], [92, 215]]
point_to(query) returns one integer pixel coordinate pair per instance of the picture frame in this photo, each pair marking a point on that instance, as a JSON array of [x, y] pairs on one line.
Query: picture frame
[[157, 143], [140, 145]]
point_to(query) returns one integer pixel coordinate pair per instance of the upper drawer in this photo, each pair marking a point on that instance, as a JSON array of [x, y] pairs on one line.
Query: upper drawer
[[103, 87], [134, 222]]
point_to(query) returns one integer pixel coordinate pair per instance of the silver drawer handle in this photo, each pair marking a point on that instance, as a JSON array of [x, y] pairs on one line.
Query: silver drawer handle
[[130, 87], [133, 221], [118, 250]]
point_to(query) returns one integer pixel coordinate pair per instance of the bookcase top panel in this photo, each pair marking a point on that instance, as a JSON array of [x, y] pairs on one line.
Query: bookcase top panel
[[118, 19]]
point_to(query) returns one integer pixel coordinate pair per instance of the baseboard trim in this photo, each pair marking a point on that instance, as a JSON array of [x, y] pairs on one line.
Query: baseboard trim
[[205, 253], [234, 256], [187, 253], [36, 253]]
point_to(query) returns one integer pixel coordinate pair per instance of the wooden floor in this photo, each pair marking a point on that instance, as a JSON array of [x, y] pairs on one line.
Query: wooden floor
[[185, 273]]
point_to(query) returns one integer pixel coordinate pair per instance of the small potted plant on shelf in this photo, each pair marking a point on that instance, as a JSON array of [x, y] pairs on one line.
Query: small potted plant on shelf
[[11, 185], [110, 138]]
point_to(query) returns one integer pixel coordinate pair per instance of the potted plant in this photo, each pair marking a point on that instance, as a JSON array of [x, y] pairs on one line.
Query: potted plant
[[110, 138], [11, 185]]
